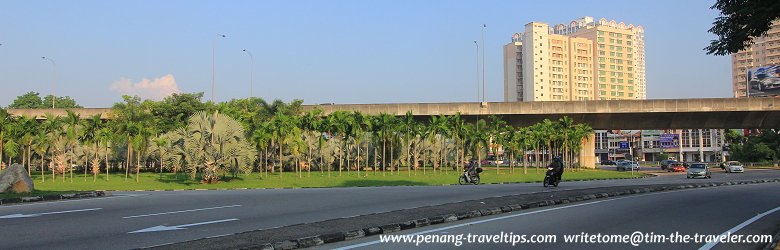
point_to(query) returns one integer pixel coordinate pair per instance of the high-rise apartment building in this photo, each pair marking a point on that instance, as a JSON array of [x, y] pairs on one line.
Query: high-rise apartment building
[[765, 51], [585, 60]]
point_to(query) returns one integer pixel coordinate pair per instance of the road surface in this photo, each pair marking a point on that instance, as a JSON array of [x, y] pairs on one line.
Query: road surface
[[142, 219]]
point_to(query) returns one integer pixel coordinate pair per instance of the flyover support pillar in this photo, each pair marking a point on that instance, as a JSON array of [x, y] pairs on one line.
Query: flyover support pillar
[[587, 157]]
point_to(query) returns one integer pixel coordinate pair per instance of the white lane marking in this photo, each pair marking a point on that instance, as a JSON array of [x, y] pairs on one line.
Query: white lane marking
[[14, 216], [182, 211], [466, 223], [738, 227], [64, 201], [178, 227]]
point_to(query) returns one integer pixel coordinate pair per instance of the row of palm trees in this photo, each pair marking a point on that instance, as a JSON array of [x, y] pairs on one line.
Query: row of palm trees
[[221, 142]]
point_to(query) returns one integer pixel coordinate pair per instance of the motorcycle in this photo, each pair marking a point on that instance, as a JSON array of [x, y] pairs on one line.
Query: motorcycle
[[550, 179], [472, 178]]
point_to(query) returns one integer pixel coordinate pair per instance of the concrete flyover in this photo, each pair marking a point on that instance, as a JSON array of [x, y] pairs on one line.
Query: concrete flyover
[[716, 113], [724, 113]]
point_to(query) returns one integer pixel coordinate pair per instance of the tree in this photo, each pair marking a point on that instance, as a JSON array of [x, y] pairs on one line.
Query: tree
[[5, 123], [173, 111], [739, 22], [218, 145], [32, 100]]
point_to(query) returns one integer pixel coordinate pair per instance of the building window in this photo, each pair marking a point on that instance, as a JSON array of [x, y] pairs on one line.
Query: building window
[[601, 39], [612, 80], [612, 66], [630, 94], [628, 43], [601, 66], [601, 32]]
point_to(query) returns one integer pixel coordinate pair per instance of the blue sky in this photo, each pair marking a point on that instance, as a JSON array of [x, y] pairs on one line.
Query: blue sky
[[392, 51]]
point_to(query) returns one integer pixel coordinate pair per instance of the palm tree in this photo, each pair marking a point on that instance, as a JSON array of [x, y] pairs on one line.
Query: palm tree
[[458, 131], [72, 122], [5, 122], [496, 127], [90, 133], [261, 138], [383, 124], [52, 128], [218, 144], [438, 126], [106, 137], [41, 146], [407, 125], [162, 146]]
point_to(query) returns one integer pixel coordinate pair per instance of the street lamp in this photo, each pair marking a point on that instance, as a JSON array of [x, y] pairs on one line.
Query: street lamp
[[53, 81], [213, 55], [251, 72], [483, 62]]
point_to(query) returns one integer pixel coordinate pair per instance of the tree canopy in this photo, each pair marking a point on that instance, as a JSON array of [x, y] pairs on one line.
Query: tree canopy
[[32, 100], [739, 22]]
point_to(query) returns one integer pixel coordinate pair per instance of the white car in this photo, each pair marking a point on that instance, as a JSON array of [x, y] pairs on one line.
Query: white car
[[734, 167]]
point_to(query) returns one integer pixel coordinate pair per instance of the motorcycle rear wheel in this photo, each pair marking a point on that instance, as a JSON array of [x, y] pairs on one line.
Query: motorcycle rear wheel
[[546, 179]]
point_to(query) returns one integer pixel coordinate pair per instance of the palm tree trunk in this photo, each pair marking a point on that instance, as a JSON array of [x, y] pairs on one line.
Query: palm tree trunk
[[106, 163], [357, 161], [129, 154], [137, 167], [346, 142], [281, 165], [384, 154], [43, 176]]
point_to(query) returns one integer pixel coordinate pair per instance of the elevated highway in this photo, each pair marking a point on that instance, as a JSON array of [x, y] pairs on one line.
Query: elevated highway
[[722, 113]]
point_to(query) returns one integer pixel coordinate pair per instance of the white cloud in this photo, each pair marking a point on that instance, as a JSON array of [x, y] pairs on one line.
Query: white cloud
[[155, 89]]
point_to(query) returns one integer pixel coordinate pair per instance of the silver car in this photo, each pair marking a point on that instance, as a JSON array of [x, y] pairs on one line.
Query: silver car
[[734, 167], [628, 166], [699, 170]]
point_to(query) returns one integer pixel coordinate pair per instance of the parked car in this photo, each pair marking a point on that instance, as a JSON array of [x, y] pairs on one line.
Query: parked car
[[699, 170], [608, 162], [665, 163], [628, 166], [733, 167], [675, 167]]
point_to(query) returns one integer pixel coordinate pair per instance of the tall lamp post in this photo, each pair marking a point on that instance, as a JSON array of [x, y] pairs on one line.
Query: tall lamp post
[[251, 72], [53, 81], [483, 62], [213, 59], [479, 108]]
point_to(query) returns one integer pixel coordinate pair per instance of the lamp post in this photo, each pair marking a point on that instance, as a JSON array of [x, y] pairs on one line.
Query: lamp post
[[479, 103], [483, 62], [213, 55], [251, 72], [53, 81]]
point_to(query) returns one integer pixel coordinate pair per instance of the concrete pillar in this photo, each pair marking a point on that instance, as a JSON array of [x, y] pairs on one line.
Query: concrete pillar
[[701, 145], [680, 158], [587, 156]]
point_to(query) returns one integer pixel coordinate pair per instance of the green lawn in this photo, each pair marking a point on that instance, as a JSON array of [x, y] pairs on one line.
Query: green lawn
[[152, 181]]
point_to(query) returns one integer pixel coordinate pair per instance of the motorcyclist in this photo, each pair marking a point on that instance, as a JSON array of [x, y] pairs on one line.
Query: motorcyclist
[[470, 170], [557, 168]]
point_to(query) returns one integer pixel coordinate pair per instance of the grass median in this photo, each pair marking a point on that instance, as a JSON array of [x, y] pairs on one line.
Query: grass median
[[155, 181]]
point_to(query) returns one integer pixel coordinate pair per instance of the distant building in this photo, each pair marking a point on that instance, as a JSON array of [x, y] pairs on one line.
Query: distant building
[[596, 60], [585, 60], [765, 52]]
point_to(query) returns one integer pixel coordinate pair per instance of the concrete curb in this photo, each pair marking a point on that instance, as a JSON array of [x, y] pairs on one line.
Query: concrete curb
[[55, 197], [317, 240], [775, 244]]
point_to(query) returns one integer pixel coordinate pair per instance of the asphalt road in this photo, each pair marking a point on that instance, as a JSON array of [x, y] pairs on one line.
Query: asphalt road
[[141, 219], [710, 211]]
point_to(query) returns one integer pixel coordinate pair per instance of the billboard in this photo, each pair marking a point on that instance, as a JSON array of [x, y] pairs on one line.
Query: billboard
[[669, 140], [763, 81], [623, 145]]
